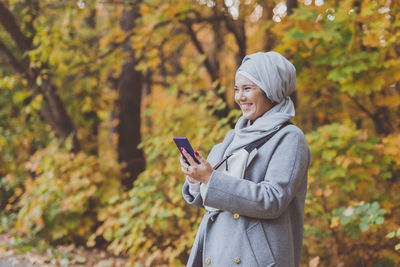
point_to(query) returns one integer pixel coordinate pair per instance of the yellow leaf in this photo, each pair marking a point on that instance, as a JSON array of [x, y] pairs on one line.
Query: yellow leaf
[[314, 262], [144, 10], [388, 206], [334, 222], [318, 192], [328, 191], [374, 169]]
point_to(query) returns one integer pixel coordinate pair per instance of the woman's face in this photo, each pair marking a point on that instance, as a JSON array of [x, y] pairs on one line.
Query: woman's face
[[250, 98]]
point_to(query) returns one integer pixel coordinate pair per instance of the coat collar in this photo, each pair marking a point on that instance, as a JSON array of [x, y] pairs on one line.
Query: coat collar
[[220, 149]]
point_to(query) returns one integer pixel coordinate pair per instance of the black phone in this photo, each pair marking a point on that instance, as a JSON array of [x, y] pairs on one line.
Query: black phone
[[184, 142]]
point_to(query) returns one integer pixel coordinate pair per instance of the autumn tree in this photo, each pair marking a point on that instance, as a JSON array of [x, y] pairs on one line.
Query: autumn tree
[[36, 73], [90, 89]]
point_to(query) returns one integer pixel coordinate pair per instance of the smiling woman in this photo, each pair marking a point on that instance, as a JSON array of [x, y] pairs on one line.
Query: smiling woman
[[253, 184]]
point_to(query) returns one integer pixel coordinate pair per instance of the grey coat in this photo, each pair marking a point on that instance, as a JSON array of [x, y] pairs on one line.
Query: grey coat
[[261, 222]]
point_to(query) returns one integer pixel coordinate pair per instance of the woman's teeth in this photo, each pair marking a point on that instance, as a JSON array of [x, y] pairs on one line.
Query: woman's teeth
[[246, 105]]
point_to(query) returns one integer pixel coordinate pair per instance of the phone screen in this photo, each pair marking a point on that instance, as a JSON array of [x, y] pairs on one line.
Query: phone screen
[[184, 142]]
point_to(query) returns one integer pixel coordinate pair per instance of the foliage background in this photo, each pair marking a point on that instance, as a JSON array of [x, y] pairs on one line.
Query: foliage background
[[71, 170]]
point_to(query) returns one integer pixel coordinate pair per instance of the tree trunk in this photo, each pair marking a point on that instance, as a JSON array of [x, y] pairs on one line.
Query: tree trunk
[[54, 113], [269, 37], [130, 94], [291, 4], [91, 116]]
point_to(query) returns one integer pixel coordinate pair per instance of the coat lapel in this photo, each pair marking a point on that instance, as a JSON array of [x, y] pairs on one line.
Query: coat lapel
[[252, 155]]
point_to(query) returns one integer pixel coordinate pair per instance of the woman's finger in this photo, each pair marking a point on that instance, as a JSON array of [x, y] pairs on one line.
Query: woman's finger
[[184, 170], [188, 157], [183, 161], [200, 157]]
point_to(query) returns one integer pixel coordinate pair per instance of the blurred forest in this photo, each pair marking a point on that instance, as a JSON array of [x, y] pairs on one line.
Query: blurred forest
[[92, 92]]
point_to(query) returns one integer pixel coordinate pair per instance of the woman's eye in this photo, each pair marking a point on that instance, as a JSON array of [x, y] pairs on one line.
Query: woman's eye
[[247, 88]]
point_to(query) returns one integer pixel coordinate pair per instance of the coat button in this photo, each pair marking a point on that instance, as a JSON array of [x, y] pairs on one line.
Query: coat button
[[236, 216], [207, 261], [236, 260]]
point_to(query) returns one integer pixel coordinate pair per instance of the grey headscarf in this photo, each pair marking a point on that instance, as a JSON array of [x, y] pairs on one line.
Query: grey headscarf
[[276, 76]]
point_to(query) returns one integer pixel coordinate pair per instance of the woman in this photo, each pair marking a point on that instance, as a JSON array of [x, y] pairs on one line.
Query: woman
[[256, 220]]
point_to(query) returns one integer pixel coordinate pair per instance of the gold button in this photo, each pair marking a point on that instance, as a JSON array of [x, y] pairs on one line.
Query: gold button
[[237, 260], [236, 216], [207, 261]]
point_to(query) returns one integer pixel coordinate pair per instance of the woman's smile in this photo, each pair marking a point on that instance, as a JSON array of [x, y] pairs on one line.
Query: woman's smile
[[245, 106]]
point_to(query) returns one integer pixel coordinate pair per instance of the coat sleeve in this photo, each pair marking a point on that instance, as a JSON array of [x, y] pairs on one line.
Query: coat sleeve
[[195, 198], [285, 174], [191, 197]]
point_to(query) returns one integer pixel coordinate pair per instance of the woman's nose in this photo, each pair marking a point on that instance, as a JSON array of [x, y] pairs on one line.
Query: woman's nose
[[241, 95]]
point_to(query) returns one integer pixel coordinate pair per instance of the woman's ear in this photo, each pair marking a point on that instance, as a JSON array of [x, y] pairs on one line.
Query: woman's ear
[[270, 102]]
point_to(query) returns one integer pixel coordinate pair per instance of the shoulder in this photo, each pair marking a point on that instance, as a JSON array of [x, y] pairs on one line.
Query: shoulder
[[288, 144], [294, 129], [291, 137], [229, 136]]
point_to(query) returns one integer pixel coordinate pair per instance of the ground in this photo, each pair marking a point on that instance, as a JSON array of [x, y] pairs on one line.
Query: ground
[[10, 256]]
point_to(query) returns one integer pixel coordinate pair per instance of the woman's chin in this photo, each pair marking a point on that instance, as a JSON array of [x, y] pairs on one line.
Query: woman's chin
[[249, 117]]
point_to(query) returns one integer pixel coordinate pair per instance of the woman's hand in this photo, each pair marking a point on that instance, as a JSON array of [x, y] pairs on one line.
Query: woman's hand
[[198, 172]]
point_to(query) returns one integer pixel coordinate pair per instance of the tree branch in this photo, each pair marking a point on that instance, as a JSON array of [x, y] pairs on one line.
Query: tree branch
[[238, 30], [210, 68], [195, 20], [10, 24], [371, 115], [185, 21], [8, 58]]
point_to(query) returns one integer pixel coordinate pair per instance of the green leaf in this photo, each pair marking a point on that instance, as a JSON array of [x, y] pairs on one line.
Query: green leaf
[[379, 220], [304, 14], [298, 35], [80, 260], [364, 226], [391, 234], [20, 96]]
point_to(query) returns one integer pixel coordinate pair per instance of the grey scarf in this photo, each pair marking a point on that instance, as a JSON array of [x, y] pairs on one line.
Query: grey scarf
[[276, 76]]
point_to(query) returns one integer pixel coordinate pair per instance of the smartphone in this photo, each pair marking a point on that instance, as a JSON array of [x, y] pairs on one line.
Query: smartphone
[[184, 142]]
